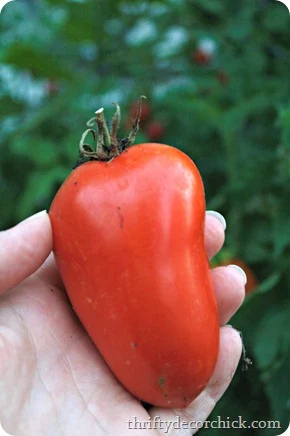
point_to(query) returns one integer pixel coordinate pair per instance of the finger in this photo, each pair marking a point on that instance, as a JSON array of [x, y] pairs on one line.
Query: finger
[[48, 272], [229, 282], [215, 226], [201, 407], [23, 249]]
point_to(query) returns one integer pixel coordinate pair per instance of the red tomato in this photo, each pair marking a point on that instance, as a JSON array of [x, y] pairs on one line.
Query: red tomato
[[155, 130], [145, 114], [52, 88], [200, 57], [129, 244], [222, 77], [205, 51]]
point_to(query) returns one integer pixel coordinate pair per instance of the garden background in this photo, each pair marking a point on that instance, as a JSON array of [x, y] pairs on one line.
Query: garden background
[[216, 76]]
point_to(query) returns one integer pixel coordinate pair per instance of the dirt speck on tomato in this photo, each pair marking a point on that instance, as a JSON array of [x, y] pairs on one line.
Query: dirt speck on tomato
[[121, 218], [134, 345], [161, 383]]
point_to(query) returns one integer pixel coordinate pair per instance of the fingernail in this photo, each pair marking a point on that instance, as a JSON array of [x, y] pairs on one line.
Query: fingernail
[[218, 216], [36, 215], [241, 271]]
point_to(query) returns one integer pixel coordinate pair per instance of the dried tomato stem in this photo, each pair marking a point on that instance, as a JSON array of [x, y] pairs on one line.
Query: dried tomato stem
[[103, 129], [115, 126], [86, 149], [91, 122], [108, 146], [128, 142]]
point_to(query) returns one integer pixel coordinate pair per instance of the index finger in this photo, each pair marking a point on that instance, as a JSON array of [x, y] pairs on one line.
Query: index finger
[[23, 249]]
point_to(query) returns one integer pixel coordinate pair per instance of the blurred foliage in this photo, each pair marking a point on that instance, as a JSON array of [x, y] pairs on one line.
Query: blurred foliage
[[62, 60]]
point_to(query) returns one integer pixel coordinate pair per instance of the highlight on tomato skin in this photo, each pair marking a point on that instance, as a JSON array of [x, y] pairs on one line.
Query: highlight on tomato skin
[[128, 239]]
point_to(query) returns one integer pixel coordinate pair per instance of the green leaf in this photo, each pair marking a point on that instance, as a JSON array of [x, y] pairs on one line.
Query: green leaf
[[39, 190], [262, 319], [276, 18], [39, 151], [277, 388], [212, 6], [270, 330], [39, 62]]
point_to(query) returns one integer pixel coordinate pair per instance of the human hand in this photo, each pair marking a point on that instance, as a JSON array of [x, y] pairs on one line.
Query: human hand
[[53, 381]]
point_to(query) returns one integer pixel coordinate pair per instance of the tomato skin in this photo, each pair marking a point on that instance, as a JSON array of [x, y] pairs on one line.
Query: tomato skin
[[129, 244]]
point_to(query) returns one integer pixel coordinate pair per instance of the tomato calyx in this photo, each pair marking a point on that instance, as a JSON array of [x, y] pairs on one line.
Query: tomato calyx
[[107, 144]]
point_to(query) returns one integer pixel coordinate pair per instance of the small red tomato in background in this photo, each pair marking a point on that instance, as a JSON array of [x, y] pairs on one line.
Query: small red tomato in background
[[204, 51], [52, 88], [145, 114], [155, 130], [200, 57], [222, 77]]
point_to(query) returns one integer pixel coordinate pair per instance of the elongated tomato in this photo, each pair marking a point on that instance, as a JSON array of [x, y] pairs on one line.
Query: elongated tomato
[[129, 244]]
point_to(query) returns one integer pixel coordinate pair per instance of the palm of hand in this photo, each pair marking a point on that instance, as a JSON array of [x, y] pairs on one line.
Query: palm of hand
[[53, 373], [53, 381]]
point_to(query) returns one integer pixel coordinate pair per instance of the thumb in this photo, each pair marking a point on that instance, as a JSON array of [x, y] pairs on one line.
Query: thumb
[[23, 249]]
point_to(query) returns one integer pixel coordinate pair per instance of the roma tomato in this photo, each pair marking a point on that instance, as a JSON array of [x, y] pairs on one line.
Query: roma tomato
[[129, 245]]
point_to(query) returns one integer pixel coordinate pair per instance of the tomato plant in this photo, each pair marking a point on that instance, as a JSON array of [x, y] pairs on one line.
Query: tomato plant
[[128, 229]]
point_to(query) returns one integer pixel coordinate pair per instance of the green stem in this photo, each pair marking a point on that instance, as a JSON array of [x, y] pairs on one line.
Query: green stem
[[86, 149], [128, 142]]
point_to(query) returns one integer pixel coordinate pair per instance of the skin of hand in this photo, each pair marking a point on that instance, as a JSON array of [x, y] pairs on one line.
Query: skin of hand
[[53, 381]]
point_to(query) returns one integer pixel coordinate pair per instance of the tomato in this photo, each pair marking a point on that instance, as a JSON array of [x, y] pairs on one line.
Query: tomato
[[129, 244], [155, 130], [200, 57], [52, 88], [146, 112], [222, 77], [204, 51]]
